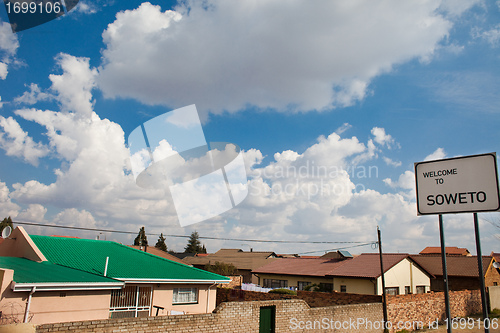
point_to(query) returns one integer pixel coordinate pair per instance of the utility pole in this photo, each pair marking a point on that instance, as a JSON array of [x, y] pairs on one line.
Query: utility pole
[[384, 297]]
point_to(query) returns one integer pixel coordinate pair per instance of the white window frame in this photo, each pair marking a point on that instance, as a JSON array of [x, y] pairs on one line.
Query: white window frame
[[192, 298]]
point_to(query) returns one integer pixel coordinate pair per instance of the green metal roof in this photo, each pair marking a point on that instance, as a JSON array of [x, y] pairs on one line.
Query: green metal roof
[[124, 263], [32, 272]]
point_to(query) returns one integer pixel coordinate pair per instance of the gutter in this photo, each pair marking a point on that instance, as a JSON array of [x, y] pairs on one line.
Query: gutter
[[64, 286], [170, 281], [28, 303]]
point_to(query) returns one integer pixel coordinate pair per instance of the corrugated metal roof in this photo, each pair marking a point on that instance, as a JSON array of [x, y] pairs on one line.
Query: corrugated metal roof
[[27, 271], [159, 253], [124, 263]]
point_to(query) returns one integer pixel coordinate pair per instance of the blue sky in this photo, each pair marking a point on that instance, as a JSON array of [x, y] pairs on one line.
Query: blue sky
[[363, 88]]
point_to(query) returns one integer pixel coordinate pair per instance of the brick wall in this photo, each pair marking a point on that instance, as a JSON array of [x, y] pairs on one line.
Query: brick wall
[[314, 299], [235, 282], [428, 307], [292, 315]]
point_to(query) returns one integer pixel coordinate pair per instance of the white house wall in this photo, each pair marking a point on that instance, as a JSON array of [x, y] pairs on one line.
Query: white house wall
[[404, 273]]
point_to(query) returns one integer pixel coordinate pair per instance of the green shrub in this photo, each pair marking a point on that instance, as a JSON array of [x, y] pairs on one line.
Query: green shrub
[[283, 291]]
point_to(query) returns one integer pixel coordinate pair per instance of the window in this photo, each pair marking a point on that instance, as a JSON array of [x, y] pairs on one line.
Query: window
[[343, 288], [328, 287], [131, 301], [392, 290], [301, 285], [185, 295], [407, 290], [495, 283], [274, 284], [420, 289]]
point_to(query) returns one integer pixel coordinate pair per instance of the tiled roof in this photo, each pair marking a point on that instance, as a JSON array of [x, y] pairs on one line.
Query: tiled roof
[[124, 263], [455, 265], [28, 271], [301, 266], [367, 265], [237, 257], [496, 256], [450, 250], [157, 252]]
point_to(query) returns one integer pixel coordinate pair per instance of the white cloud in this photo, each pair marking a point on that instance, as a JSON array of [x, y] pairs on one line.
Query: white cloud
[[33, 96], [491, 36], [405, 181], [17, 143], [225, 55], [8, 47], [343, 128], [438, 154], [382, 138], [389, 161], [86, 7], [7, 207], [74, 86]]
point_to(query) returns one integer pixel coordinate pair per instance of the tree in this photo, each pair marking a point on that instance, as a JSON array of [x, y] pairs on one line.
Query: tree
[[141, 239], [6, 222], [194, 244], [160, 244], [221, 268]]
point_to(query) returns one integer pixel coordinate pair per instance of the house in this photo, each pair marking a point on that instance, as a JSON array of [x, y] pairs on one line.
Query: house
[[450, 251], [360, 274], [94, 279], [462, 271], [244, 261]]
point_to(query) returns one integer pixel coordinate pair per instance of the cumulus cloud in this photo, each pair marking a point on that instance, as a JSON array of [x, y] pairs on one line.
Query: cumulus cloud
[[224, 55], [74, 86], [8, 47], [382, 138], [16, 142]]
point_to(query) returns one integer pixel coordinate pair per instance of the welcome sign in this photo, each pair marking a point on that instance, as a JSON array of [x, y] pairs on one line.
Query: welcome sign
[[457, 185]]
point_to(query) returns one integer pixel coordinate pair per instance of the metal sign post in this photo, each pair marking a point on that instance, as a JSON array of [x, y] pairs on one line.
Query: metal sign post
[[459, 185], [481, 275], [445, 275]]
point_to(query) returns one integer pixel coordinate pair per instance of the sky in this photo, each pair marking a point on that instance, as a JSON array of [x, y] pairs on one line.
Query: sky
[[330, 102]]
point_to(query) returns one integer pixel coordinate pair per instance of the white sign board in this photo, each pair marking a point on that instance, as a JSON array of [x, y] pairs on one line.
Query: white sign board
[[457, 185]]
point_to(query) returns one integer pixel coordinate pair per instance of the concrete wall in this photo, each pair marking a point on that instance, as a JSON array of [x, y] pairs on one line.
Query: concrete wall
[[403, 274], [291, 316], [357, 286], [494, 293]]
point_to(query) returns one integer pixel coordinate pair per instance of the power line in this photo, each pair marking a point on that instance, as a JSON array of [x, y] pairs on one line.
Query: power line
[[339, 248], [183, 236]]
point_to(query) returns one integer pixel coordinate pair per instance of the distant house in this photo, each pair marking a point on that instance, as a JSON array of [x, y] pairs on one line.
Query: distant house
[[462, 271], [450, 251], [54, 279], [245, 262], [360, 274]]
